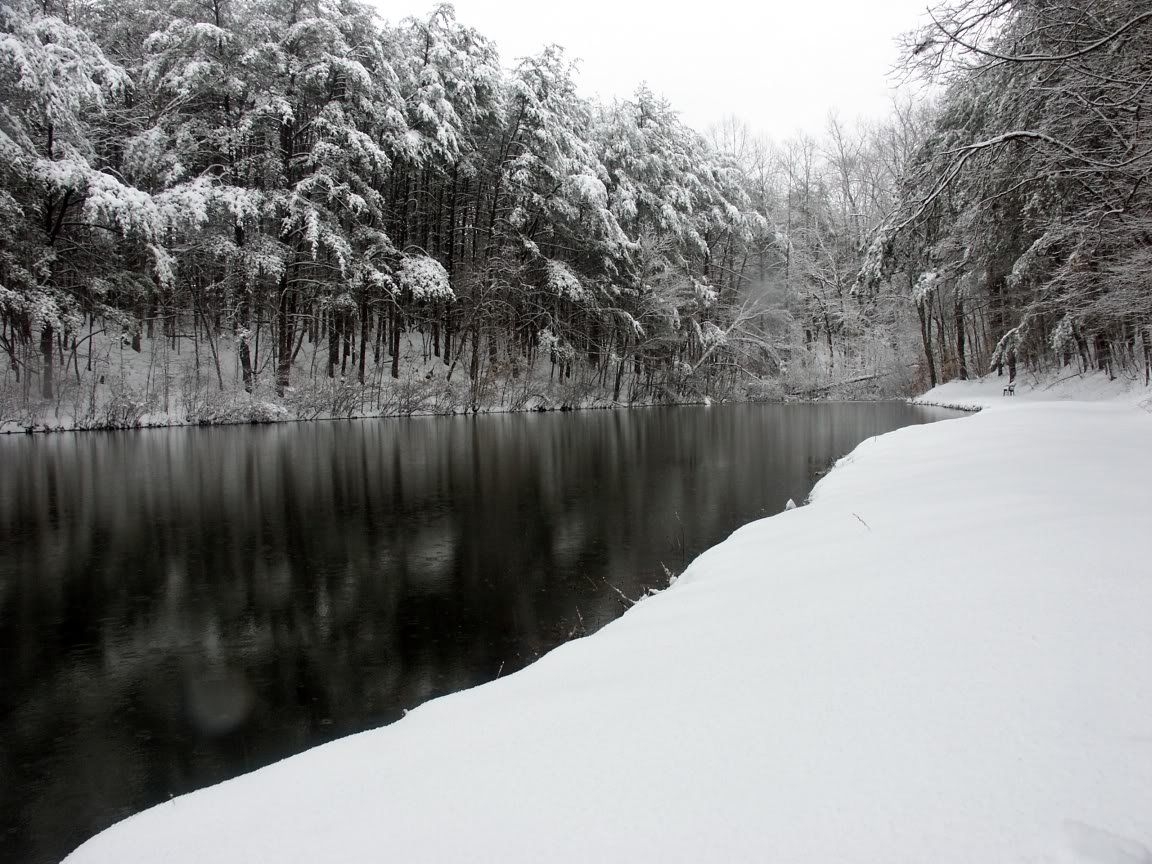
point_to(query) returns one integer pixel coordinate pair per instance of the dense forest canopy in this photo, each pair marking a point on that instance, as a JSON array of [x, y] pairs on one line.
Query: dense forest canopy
[[259, 182], [295, 200], [1025, 228]]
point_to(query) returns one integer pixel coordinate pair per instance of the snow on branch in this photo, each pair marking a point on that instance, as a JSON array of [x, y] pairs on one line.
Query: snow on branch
[[424, 279]]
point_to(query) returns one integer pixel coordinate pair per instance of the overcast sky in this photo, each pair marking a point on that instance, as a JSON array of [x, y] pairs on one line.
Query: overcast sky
[[779, 65]]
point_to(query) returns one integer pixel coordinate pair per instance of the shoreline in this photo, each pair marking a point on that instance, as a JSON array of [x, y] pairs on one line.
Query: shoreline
[[41, 429]]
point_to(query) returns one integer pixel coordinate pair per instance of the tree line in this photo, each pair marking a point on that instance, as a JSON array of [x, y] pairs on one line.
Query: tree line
[[293, 170], [276, 180]]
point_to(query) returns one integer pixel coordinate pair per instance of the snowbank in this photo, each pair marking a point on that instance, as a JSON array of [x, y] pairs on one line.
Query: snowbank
[[989, 391], [944, 657]]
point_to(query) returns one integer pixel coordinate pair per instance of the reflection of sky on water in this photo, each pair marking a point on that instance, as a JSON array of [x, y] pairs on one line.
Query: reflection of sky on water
[[177, 607]]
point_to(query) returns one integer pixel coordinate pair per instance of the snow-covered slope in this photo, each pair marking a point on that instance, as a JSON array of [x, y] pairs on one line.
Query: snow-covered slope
[[945, 657], [1055, 386]]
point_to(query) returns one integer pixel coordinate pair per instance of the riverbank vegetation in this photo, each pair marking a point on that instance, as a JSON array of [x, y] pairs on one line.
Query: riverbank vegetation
[[250, 207], [1024, 231]]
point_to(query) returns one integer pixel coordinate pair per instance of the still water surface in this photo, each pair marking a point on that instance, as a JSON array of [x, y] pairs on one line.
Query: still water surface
[[181, 606]]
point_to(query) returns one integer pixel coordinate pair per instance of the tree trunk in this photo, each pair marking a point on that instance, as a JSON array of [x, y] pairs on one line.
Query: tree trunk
[[363, 341], [397, 330], [926, 340], [1147, 353], [474, 364], [244, 348], [346, 333], [284, 334], [450, 256], [333, 344], [1104, 356], [961, 358], [46, 339], [381, 326], [831, 349]]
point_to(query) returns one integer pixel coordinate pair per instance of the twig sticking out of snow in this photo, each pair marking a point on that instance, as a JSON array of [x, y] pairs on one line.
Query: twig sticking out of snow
[[623, 596], [578, 626]]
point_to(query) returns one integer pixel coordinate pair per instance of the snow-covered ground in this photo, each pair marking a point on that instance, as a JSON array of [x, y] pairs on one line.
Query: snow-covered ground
[[944, 657], [1055, 386]]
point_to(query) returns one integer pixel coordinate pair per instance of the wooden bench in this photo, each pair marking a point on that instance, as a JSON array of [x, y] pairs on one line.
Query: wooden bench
[[1010, 390]]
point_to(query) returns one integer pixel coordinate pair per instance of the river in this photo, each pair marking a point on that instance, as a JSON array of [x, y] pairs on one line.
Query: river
[[181, 606]]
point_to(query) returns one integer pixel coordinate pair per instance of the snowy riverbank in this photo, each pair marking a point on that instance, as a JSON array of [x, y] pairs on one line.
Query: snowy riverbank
[[942, 658], [118, 388], [989, 392]]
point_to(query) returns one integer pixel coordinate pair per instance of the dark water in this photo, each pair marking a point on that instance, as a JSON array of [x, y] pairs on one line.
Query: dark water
[[181, 606]]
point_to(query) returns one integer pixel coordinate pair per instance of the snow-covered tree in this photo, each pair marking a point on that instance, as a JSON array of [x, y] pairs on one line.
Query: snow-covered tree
[[261, 175], [1030, 198]]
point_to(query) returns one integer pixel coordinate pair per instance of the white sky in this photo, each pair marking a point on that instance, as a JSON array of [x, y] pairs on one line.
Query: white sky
[[780, 65]]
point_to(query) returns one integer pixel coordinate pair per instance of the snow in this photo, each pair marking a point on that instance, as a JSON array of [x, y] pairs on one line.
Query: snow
[[425, 278], [942, 657], [1060, 385], [562, 282]]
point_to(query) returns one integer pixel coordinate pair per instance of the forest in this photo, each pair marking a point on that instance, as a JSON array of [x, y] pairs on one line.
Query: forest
[[1024, 231], [245, 209]]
